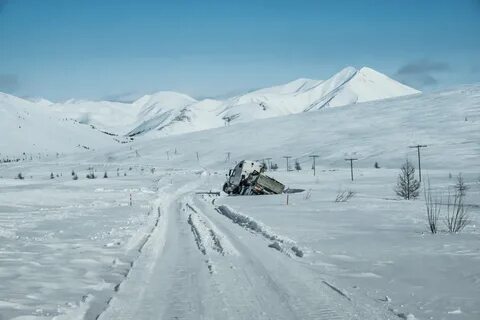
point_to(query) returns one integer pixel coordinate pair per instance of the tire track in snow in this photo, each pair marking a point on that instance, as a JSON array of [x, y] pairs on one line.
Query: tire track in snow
[[282, 244], [250, 280], [205, 237], [244, 287], [215, 240], [256, 274], [150, 249], [317, 300]]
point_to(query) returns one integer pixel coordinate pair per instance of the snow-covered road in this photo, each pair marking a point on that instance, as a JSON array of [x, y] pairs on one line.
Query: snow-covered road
[[198, 264]]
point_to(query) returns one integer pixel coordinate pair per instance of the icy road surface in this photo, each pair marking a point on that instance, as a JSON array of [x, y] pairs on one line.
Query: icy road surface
[[199, 265]]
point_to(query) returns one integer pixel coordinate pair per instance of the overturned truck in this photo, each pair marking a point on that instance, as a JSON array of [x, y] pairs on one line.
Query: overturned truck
[[248, 178]]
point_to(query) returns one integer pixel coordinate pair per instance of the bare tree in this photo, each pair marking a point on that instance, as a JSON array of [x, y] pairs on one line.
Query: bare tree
[[460, 186], [407, 186], [433, 206], [457, 214]]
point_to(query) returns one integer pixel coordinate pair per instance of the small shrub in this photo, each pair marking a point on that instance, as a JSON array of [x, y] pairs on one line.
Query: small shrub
[[75, 177], [376, 165], [52, 176], [344, 196], [105, 175], [73, 173], [298, 167], [20, 176]]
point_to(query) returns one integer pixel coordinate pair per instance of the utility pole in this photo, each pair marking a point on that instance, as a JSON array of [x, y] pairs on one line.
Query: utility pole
[[168, 156], [287, 157], [313, 164], [198, 158], [351, 165], [228, 157], [418, 146]]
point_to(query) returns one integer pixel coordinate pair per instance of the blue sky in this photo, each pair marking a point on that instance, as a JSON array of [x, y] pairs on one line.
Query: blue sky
[[114, 49]]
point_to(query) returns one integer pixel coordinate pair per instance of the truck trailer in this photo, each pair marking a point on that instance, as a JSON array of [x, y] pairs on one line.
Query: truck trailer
[[249, 178]]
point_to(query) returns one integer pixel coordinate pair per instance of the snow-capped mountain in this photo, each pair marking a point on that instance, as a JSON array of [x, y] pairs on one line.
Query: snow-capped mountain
[[157, 109], [26, 127], [349, 86], [169, 113]]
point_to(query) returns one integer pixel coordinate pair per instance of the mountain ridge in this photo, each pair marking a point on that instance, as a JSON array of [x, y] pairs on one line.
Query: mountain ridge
[[168, 112]]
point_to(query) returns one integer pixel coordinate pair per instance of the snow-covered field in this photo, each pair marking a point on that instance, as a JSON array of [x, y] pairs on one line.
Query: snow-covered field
[[77, 249]]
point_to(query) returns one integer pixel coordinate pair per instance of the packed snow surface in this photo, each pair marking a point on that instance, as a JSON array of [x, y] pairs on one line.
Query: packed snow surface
[[145, 243]]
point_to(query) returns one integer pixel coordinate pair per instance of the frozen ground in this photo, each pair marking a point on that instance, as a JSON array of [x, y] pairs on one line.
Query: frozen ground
[[76, 249]]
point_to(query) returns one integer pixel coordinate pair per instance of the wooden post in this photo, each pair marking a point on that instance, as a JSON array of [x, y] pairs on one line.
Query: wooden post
[[313, 165], [351, 166], [287, 157]]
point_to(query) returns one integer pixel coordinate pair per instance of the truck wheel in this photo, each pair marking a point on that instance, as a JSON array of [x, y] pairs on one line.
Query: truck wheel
[[225, 188]]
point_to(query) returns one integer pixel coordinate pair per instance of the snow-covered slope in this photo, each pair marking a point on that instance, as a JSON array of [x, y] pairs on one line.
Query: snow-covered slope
[[372, 131], [158, 109], [349, 86], [106, 115], [28, 127], [167, 113]]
